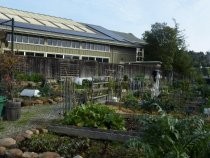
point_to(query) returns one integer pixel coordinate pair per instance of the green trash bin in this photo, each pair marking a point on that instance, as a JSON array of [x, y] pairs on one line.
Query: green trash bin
[[2, 104]]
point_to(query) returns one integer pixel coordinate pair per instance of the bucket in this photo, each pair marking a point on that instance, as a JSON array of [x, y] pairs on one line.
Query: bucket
[[13, 110]]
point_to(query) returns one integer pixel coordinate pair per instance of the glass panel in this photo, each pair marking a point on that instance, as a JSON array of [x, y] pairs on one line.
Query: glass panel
[[64, 43], [99, 59], [8, 37], [83, 45], [49, 41], [91, 58], [84, 58], [59, 56], [54, 42], [92, 46], [87, 45], [59, 42], [31, 39], [36, 40], [73, 45], [39, 55], [77, 45], [51, 55], [105, 60], [75, 57], [41, 40], [25, 39], [67, 57], [29, 54], [18, 38], [68, 43]]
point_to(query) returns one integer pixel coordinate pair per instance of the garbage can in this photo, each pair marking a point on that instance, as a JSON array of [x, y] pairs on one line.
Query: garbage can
[[12, 110], [2, 104]]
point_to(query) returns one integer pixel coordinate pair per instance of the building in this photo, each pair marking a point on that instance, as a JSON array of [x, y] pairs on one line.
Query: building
[[53, 37]]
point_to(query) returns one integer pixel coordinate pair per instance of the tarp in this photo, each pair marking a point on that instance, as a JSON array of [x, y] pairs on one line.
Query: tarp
[[30, 93]]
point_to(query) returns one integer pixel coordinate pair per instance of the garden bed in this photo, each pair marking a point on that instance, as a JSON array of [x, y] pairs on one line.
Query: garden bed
[[93, 133]]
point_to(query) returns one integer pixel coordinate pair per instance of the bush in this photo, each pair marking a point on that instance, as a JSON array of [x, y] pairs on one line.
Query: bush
[[65, 146], [130, 101], [96, 116], [166, 136], [34, 77]]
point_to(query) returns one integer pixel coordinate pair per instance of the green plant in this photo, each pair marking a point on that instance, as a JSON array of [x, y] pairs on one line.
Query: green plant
[[65, 146], [130, 101], [166, 136], [34, 77], [46, 90], [96, 116]]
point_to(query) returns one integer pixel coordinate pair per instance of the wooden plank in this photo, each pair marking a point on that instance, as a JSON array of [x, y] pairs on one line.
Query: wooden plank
[[121, 136]]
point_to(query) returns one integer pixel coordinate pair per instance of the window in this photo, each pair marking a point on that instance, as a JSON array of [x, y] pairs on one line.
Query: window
[[36, 40], [87, 45], [54, 42], [68, 43], [49, 41], [83, 45], [58, 42], [41, 40], [29, 54], [18, 38], [8, 37], [99, 60], [31, 39], [139, 54], [39, 54], [92, 46], [91, 58], [77, 45], [105, 60], [59, 56], [84, 58], [64, 43], [67, 57], [51, 55], [73, 45], [75, 57], [25, 39]]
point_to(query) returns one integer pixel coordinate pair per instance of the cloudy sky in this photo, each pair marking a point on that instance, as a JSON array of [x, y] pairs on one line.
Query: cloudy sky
[[135, 16]]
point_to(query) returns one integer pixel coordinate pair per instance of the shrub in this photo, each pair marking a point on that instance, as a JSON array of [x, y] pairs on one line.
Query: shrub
[[166, 136], [130, 101], [35, 77], [96, 116], [65, 146]]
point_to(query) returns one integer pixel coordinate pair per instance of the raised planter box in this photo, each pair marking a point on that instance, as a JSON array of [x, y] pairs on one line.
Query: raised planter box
[[121, 136]]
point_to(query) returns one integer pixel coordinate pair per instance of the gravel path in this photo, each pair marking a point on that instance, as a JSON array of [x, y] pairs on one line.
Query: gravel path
[[33, 116]]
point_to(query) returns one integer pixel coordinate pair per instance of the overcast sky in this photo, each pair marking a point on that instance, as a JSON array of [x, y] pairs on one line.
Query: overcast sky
[[135, 16]]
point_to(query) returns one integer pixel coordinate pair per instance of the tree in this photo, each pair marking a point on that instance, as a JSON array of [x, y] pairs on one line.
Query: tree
[[167, 44]]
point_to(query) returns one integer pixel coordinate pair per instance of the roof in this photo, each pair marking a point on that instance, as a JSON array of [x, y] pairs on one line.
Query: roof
[[129, 37], [45, 23]]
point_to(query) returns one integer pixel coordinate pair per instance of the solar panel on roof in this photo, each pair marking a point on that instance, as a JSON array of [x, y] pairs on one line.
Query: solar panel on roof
[[107, 32], [62, 26], [47, 23], [57, 30]]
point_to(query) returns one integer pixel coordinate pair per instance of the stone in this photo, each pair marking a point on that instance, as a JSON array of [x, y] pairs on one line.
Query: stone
[[19, 138], [51, 101], [26, 135], [7, 142], [11, 153], [35, 131], [43, 130], [30, 155], [49, 155], [2, 150], [78, 156], [29, 132]]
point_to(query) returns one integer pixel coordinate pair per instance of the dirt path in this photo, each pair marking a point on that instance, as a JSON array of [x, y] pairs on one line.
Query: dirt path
[[33, 116]]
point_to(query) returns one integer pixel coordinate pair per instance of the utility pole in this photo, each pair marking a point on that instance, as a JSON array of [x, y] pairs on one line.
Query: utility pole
[[12, 31]]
